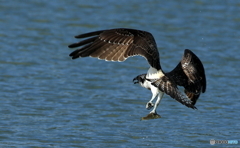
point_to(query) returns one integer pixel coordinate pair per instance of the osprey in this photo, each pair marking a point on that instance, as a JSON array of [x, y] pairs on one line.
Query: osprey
[[121, 43]]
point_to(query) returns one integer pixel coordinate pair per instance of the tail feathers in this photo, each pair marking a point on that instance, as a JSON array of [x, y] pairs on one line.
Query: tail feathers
[[194, 97]]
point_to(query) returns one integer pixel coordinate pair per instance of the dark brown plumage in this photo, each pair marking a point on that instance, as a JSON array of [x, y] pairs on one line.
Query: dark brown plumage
[[190, 74], [120, 44], [117, 45]]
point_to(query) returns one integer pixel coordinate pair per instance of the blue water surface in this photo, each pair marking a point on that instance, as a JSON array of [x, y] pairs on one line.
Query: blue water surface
[[49, 100]]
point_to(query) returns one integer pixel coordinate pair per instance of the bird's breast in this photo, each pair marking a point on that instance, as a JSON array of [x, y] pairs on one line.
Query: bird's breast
[[154, 73]]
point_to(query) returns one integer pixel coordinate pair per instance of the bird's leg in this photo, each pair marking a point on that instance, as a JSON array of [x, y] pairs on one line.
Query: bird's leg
[[155, 92], [159, 98], [149, 105]]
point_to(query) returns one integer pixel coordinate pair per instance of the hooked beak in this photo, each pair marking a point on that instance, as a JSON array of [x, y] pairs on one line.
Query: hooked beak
[[135, 80]]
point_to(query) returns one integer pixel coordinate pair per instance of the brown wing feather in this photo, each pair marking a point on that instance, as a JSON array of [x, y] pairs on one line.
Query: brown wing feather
[[117, 45], [166, 85], [190, 74]]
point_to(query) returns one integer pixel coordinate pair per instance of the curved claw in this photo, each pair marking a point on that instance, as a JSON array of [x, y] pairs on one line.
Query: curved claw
[[149, 105]]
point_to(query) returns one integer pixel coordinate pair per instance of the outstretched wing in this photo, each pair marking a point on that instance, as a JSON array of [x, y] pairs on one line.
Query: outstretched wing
[[117, 45], [168, 86], [190, 74]]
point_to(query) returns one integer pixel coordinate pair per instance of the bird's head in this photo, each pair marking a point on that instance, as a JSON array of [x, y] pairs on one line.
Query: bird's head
[[139, 79]]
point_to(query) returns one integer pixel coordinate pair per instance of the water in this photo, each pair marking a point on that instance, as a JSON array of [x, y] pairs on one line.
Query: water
[[49, 100]]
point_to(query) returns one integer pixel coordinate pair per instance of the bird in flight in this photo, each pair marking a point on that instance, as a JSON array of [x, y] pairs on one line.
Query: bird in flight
[[121, 43]]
